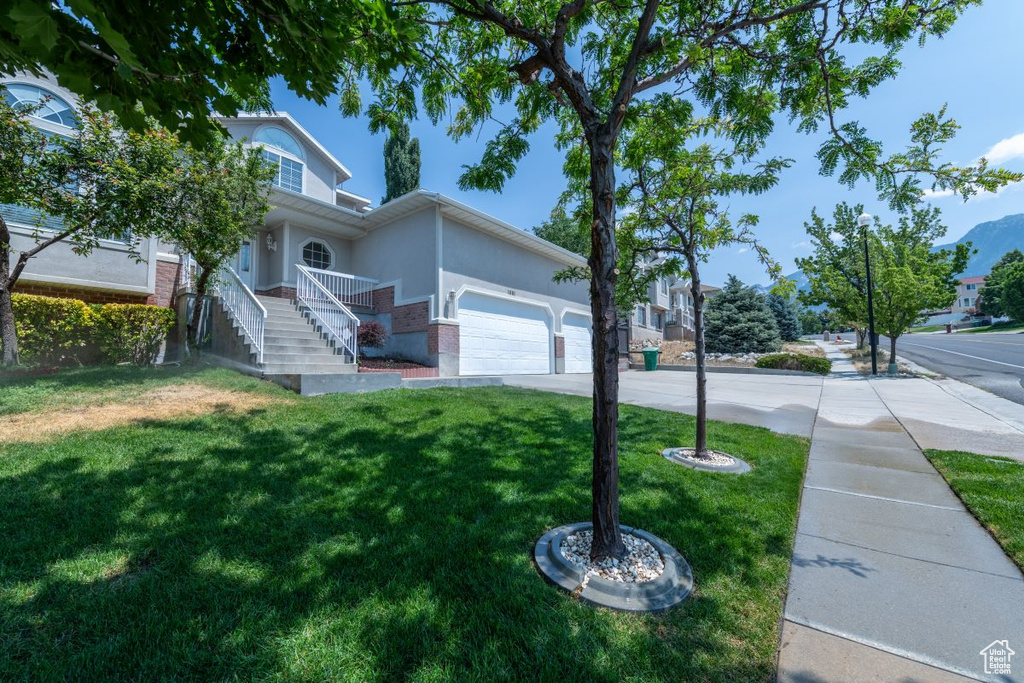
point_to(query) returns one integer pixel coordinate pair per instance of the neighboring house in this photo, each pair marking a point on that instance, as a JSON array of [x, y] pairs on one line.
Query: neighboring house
[[646, 322], [967, 292], [680, 321], [456, 289]]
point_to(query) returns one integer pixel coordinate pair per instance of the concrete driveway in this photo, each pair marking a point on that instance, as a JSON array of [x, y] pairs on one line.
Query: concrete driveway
[[783, 403]]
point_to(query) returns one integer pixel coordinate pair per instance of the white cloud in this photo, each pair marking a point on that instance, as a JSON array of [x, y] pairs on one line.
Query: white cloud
[[803, 244], [1006, 149], [744, 250], [981, 196], [937, 194]]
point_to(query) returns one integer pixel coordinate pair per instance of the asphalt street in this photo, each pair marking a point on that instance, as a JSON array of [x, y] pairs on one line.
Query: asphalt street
[[992, 361]]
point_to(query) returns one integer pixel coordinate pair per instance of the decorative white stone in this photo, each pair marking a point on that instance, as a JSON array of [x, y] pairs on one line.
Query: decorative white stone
[[641, 563]]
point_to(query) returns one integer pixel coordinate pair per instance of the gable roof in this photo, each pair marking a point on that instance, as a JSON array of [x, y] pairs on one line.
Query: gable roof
[[285, 120], [1003, 645]]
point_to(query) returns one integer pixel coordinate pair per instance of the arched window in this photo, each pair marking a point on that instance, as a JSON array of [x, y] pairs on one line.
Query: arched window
[[284, 154], [317, 254], [51, 107]]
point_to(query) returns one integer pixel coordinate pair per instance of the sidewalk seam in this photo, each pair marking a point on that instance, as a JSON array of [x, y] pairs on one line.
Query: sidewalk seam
[[911, 558], [888, 500]]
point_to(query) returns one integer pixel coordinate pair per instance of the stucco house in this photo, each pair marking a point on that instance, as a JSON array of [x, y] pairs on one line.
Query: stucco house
[[680, 320], [457, 290]]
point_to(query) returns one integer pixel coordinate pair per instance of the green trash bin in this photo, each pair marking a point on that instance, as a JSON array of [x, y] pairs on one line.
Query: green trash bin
[[651, 359]]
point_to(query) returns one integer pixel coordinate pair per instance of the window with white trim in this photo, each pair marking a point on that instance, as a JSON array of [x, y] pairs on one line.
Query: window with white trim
[[641, 315], [316, 254], [284, 155], [50, 107]]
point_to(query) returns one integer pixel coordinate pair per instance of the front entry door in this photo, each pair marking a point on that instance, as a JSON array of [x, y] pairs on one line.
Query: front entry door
[[245, 263]]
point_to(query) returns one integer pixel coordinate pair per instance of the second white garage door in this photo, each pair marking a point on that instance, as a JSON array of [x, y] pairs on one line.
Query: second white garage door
[[502, 337], [576, 331]]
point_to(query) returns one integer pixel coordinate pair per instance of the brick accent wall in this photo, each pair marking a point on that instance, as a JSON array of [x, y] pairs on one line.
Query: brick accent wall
[[89, 296], [407, 373], [279, 292], [559, 347], [408, 318], [443, 339], [166, 284]]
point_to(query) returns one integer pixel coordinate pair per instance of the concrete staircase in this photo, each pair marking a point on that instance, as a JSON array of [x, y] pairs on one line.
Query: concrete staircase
[[293, 344]]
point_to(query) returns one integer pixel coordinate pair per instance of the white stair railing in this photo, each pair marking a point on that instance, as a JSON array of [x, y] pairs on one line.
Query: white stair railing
[[243, 306], [340, 323], [348, 289]]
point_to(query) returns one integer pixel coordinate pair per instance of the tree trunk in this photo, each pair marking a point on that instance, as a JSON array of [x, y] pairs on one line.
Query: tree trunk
[[892, 349], [604, 270], [862, 335], [698, 350], [8, 334], [192, 332]]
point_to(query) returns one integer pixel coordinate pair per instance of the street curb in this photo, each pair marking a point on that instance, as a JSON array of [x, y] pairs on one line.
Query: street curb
[[729, 370]]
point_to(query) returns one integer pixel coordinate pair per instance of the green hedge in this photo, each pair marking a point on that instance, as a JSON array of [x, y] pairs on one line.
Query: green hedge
[[61, 331], [795, 361]]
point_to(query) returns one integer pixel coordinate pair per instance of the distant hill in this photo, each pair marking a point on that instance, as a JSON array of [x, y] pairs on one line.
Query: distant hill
[[992, 240]]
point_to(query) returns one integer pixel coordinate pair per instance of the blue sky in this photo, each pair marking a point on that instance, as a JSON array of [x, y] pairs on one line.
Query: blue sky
[[976, 69]]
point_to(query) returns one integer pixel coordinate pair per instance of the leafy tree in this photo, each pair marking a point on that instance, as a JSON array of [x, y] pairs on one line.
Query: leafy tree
[[992, 294], [811, 322], [1012, 291], [675, 193], [216, 198], [589, 65], [739, 321], [785, 316], [179, 60], [565, 230], [908, 277], [401, 163], [98, 183]]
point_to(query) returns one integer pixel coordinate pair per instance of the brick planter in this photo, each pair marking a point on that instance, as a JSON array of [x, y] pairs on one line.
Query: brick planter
[[407, 373]]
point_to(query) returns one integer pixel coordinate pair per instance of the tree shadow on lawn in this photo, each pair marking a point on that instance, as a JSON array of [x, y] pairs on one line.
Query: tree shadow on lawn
[[384, 536]]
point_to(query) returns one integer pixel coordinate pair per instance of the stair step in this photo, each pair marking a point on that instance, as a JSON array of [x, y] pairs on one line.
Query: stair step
[[307, 368], [294, 343], [276, 353], [300, 325]]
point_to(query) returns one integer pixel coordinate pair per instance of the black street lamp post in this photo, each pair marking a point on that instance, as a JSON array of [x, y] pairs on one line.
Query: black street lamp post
[[864, 221]]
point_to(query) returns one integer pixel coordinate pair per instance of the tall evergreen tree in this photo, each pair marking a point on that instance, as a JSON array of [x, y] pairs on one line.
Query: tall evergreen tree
[[785, 317], [739, 321], [401, 163]]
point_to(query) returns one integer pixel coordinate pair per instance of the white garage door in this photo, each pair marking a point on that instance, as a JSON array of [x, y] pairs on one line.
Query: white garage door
[[502, 337], [576, 330]]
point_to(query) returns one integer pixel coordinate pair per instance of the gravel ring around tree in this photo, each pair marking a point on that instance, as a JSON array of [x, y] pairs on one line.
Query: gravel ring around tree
[[671, 587], [678, 455]]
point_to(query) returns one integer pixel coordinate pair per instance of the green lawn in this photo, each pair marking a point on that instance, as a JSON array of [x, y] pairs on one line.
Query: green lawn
[[1010, 326], [377, 537], [993, 490], [926, 328]]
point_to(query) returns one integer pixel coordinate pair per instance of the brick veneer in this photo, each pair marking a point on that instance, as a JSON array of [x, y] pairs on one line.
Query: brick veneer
[[89, 296], [407, 373], [408, 318], [279, 292], [442, 339], [559, 347], [166, 284]]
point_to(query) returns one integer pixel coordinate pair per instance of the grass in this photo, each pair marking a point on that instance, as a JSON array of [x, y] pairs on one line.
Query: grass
[[926, 328], [1009, 326], [993, 490], [376, 537]]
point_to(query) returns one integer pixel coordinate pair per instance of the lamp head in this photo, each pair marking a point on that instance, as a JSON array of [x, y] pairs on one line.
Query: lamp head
[[864, 220]]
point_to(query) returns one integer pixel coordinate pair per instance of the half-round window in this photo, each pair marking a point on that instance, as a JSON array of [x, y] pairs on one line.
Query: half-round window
[[276, 137], [316, 254], [50, 107]]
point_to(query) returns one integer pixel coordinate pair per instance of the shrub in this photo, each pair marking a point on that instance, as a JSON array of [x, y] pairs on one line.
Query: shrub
[[372, 334], [738, 321], [795, 361], [132, 333], [51, 330]]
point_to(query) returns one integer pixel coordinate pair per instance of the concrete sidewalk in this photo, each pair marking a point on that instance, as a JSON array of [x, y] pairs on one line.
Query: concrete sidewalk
[[782, 403], [891, 578]]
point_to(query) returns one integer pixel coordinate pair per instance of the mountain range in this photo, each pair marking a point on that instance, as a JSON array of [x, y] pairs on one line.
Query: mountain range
[[990, 240]]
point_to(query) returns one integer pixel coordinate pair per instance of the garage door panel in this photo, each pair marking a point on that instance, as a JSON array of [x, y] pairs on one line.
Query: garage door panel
[[578, 345], [502, 336]]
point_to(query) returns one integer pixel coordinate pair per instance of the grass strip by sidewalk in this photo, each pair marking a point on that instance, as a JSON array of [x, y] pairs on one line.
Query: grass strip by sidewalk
[[382, 536], [993, 490]]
